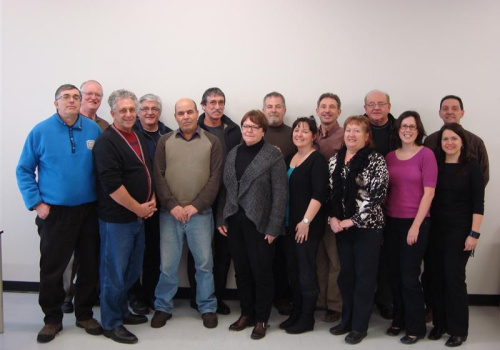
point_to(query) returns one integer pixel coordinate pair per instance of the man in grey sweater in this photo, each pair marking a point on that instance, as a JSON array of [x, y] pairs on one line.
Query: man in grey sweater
[[187, 174]]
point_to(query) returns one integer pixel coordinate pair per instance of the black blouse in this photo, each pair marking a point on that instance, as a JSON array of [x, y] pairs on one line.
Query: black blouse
[[457, 197], [308, 181]]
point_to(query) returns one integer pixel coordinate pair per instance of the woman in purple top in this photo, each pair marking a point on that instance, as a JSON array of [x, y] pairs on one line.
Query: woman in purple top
[[412, 181]]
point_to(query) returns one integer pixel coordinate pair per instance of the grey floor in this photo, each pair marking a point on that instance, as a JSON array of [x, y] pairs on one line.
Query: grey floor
[[23, 319]]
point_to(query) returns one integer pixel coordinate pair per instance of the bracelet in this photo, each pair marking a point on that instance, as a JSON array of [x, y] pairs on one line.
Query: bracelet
[[474, 234]]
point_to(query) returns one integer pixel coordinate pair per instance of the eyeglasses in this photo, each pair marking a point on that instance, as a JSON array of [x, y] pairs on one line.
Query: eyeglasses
[[92, 94], [147, 109], [379, 104], [251, 127], [214, 103], [409, 127], [124, 111], [67, 97]]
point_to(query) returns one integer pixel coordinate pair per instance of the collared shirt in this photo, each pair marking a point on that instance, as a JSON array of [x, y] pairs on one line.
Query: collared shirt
[[329, 142], [181, 134]]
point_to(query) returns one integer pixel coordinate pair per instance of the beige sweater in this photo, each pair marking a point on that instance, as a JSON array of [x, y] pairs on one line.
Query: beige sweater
[[187, 172]]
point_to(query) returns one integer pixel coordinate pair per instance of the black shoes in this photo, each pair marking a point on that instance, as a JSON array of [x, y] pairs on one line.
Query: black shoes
[[436, 333], [354, 337], [455, 341], [139, 307], [160, 319], [210, 319], [67, 307], [305, 323], [290, 321], [48, 332], [131, 318], [340, 329], [242, 323], [284, 307], [411, 339], [393, 331], [120, 334], [222, 308], [386, 311]]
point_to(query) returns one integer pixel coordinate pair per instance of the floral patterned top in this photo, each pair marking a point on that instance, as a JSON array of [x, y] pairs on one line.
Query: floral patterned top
[[372, 188]]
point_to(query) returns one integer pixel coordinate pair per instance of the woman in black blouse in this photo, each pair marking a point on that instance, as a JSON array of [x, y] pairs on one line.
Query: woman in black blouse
[[457, 212], [358, 181], [305, 222]]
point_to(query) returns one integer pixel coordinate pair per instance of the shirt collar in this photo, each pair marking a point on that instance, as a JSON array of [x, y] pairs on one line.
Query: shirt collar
[[181, 134]]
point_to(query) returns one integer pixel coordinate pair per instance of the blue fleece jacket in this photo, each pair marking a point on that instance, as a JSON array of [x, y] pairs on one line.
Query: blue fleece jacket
[[62, 156]]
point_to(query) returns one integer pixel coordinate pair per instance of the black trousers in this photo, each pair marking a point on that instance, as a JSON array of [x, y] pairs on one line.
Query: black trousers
[[359, 250], [302, 267], [449, 290], [383, 293], [64, 231], [144, 288], [253, 260], [282, 288], [404, 263]]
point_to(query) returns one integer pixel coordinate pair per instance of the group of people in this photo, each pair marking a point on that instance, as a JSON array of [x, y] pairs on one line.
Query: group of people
[[329, 217]]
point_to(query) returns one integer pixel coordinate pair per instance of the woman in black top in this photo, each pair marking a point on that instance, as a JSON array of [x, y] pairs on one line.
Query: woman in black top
[[305, 222], [358, 181], [251, 215], [457, 212]]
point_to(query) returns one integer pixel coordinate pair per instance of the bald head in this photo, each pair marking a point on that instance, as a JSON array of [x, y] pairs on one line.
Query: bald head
[[183, 101], [186, 115]]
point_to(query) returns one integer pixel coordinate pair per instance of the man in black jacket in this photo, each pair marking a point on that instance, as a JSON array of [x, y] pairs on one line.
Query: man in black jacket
[[217, 123], [141, 295], [378, 110]]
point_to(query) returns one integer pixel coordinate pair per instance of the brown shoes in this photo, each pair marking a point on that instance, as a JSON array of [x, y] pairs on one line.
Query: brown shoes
[[160, 318], [242, 323], [210, 319], [48, 332], [91, 326], [259, 331], [331, 316]]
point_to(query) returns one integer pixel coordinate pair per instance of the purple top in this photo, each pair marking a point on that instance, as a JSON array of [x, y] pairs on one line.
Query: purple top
[[407, 179]]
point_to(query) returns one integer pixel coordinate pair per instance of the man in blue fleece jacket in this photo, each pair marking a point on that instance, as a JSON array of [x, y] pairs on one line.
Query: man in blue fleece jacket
[[63, 195]]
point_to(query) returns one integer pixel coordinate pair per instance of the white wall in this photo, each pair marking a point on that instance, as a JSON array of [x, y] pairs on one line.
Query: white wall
[[417, 51]]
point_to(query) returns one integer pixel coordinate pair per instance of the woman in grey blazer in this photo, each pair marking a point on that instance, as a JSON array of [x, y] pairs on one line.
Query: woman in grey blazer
[[252, 217]]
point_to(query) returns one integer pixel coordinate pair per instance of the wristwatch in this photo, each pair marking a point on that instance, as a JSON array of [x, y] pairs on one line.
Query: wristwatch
[[306, 221]]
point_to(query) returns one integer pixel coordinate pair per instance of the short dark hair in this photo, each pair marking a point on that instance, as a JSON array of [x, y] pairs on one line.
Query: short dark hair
[[309, 121], [454, 97], [273, 94], [66, 87], [211, 92], [420, 128], [364, 122], [329, 95], [256, 117], [465, 156]]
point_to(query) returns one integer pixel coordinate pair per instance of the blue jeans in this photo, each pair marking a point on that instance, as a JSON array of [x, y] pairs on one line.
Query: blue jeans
[[122, 250], [199, 232]]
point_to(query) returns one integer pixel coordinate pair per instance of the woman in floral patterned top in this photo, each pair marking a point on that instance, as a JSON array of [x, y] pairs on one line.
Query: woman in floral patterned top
[[358, 183]]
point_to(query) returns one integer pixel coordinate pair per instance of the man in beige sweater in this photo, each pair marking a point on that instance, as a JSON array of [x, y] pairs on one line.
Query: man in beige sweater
[[187, 174]]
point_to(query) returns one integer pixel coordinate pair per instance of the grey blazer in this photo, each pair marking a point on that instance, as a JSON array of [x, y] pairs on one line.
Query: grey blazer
[[261, 191]]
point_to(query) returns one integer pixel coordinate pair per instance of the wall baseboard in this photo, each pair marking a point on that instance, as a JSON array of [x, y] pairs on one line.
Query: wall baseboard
[[232, 294]]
